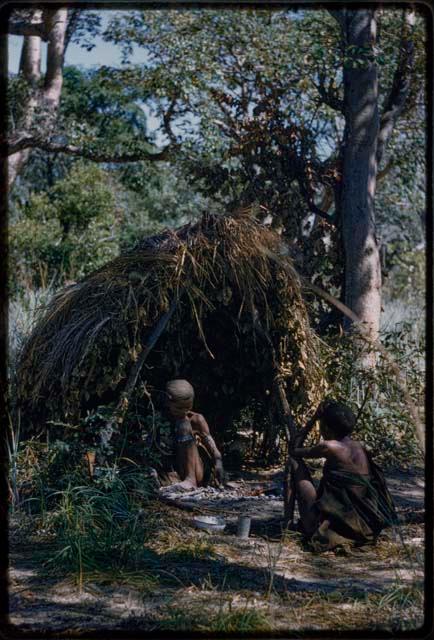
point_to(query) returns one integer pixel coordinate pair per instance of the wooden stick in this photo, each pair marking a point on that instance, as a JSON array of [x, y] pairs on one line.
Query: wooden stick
[[288, 496], [136, 369], [138, 365], [290, 429]]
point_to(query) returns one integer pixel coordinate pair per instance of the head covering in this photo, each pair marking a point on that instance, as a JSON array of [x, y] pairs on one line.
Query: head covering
[[181, 394]]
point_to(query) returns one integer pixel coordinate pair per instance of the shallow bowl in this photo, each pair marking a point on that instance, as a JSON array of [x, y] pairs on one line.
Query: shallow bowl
[[209, 523]]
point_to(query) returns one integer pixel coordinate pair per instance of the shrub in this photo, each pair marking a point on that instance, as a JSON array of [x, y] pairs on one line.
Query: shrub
[[384, 422], [66, 232]]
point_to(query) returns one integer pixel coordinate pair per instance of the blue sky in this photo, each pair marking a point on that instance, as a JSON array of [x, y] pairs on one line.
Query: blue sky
[[103, 53]]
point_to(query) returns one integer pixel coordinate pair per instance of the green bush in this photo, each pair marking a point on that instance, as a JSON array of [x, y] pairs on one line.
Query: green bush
[[66, 232], [384, 421]]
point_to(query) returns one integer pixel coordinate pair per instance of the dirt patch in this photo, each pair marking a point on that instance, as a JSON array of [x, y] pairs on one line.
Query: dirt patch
[[266, 581]]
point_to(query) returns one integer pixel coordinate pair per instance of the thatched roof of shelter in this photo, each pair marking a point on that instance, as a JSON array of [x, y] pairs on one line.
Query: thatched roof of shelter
[[238, 321]]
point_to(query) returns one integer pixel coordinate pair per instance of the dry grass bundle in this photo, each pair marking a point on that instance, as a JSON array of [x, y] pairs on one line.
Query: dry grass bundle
[[234, 307]]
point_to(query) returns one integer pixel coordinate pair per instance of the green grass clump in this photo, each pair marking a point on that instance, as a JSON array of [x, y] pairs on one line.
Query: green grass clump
[[102, 526], [245, 620], [190, 550]]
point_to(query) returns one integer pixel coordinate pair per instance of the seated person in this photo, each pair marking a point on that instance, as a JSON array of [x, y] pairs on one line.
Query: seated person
[[191, 429], [352, 501]]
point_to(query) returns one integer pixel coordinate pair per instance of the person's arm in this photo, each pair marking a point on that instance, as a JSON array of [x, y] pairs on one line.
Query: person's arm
[[304, 431], [321, 450], [202, 428]]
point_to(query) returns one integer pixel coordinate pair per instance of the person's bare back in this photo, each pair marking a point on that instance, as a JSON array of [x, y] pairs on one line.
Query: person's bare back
[[346, 455]]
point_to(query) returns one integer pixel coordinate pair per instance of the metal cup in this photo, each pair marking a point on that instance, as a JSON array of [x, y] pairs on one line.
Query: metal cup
[[244, 523]]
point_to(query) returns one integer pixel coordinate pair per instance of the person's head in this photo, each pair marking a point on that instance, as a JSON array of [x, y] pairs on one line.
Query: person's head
[[180, 397], [336, 419]]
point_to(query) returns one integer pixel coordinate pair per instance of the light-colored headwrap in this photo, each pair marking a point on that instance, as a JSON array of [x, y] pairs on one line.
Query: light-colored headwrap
[[181, 394]]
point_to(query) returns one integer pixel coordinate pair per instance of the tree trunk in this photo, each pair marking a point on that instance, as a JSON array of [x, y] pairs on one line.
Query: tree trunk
[[57, 23], [359, 169], [30, 70], [48, 97]]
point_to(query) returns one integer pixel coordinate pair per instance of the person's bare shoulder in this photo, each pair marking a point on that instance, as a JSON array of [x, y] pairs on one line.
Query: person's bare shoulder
[[337, 449], [349, 456], [198, 421]]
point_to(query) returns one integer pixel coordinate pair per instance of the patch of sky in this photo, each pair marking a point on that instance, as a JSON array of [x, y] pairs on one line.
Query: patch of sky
[[103, 53]]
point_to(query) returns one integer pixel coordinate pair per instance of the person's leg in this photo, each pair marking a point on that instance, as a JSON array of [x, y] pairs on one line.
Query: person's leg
[[306, 495], [188, 462]]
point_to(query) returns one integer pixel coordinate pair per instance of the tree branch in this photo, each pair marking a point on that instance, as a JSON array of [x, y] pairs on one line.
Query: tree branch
[[319, 212], [401, 83], [312, 206], [73, 18], [329, 96], [22, 28], [167, 119], [28, 141]]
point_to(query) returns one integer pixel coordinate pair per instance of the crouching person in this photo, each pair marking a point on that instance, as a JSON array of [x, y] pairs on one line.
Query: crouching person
[[352, 502], [192, 438]]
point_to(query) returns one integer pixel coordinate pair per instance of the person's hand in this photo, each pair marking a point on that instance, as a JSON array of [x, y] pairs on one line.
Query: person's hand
[[219, 471]]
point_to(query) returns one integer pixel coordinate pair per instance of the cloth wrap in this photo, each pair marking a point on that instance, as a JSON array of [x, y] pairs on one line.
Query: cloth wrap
[[357, 506], [181, 394]]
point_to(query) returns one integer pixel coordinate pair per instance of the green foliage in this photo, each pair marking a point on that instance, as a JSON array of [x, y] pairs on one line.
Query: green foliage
[[65, 232], [18, 93], [384, 421], [103, 524], [156, 198], [258, 119], [82, 197], [97, 112], [39, 470], [102, 116], [407, 281], [243, 112], [251, 113], [94, 524]]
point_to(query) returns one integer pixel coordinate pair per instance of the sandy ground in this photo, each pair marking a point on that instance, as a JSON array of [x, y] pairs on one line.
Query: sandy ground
[[293, 589]]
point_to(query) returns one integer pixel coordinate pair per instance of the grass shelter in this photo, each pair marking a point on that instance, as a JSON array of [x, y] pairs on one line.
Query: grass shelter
[[217, 302]]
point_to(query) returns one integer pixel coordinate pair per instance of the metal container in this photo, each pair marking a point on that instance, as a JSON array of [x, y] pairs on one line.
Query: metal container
[[243, 529]]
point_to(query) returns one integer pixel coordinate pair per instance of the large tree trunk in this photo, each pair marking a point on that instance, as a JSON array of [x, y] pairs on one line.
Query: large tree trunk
[[359, 169], [45, 98], [30, 70]]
